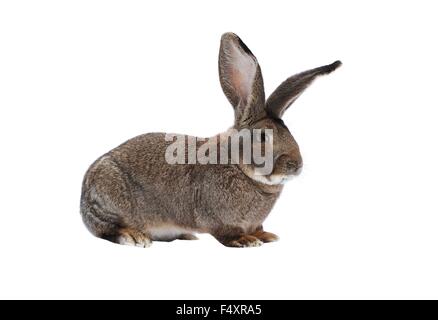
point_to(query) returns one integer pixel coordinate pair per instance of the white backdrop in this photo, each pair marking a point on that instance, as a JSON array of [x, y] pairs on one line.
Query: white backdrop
[[77, 78]]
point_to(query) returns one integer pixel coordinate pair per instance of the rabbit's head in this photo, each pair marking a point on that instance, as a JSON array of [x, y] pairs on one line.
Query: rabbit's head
[[242, 82]]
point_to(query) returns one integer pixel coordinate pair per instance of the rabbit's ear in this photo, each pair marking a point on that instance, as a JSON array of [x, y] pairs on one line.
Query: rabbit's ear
[[291, 89], [241, 79]]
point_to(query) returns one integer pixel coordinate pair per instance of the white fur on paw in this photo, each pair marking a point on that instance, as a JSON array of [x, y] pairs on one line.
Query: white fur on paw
[[127, 240], [144, 243], [255, 243]]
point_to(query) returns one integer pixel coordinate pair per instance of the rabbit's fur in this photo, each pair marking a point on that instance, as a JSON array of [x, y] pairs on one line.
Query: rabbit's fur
[[132, 195]]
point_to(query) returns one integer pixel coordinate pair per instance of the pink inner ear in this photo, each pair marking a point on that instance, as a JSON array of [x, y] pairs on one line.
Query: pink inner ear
[[238, 81], [243, 70]]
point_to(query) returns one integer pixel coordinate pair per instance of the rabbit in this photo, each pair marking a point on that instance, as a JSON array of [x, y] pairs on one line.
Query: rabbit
[[133, 196]]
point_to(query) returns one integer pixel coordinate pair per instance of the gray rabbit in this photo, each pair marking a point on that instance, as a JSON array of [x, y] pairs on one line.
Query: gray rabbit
[[132, 195]]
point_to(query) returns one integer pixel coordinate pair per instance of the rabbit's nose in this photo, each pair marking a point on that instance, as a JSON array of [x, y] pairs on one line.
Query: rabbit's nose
[[294, 167]]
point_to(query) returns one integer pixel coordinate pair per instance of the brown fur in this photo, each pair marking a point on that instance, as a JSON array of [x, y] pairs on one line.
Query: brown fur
[[265, 236], [131, 191]]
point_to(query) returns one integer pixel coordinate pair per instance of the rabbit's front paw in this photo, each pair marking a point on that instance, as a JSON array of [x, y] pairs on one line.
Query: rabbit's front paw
[[265, 236], [135, 238], [244, 242]]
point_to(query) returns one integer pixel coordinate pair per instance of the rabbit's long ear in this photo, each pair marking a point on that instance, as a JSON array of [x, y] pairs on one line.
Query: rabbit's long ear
[[293, 87], [241, 79]]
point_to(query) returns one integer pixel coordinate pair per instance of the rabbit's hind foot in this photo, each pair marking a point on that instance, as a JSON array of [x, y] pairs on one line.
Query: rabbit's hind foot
[[133, 237]]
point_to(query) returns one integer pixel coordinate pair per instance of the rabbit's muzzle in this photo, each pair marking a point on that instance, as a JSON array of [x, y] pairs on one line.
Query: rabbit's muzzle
[[289, 165], [294, 167]]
